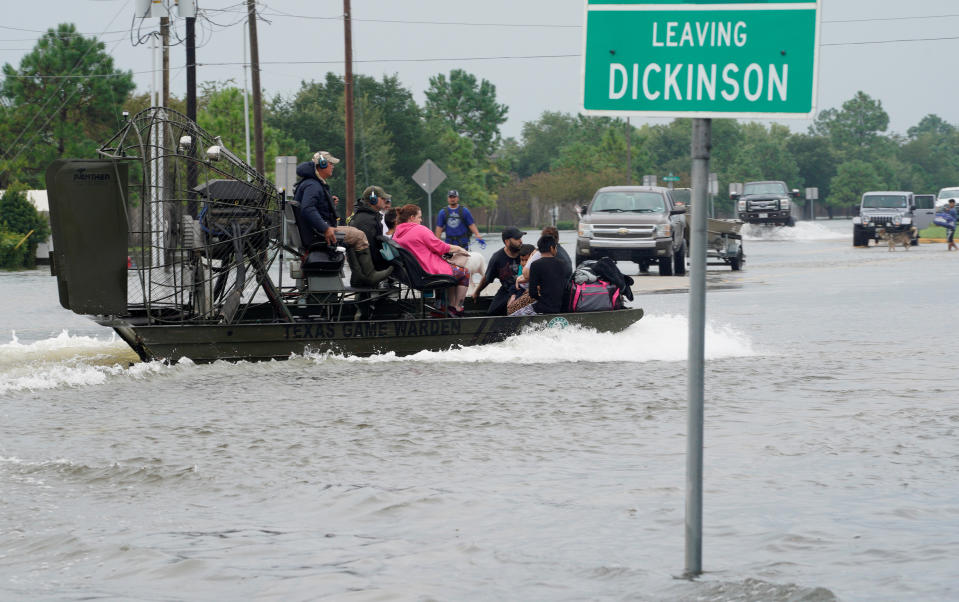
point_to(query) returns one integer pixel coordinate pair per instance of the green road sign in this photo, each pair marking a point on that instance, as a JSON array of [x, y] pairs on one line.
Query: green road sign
[[701, 58], [670, 178]]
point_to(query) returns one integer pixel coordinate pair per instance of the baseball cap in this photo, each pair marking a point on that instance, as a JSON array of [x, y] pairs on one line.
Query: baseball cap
[[380, 193], [324, 154], [512, 232], [453, 192]]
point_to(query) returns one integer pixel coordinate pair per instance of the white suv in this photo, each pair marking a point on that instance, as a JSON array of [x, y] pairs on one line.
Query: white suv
[[947, 193]]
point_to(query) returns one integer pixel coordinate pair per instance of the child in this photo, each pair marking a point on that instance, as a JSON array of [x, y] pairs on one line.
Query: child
[[522, 282]]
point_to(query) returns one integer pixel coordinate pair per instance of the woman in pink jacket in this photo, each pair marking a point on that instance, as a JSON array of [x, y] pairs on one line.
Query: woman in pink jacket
[[416, 238]]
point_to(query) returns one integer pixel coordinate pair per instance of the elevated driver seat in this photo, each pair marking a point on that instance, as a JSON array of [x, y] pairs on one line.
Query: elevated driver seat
[[321, 265]]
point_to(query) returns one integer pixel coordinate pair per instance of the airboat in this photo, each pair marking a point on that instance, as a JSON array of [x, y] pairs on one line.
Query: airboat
[[185, 251]]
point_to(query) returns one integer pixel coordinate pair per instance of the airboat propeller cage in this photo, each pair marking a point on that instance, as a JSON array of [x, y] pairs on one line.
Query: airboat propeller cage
[[197, 225]]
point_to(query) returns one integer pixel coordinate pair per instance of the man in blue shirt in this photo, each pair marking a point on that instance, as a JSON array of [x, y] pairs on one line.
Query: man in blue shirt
[[457, 222]]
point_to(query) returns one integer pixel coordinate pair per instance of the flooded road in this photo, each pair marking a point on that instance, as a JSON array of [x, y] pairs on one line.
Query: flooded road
[[547, 467]]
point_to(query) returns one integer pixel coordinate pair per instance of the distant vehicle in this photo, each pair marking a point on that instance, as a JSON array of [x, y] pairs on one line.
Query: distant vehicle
[[683, 197], [643, 224], [766, 202], [895, 209], [925, 210], [947, 193]]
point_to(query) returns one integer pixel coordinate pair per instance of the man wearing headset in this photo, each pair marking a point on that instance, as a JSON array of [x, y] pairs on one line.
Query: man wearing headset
[[368, 218], [318, 219], [457, 222]]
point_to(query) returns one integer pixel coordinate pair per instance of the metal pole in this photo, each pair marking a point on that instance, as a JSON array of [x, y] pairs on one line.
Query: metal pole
[[429, 195], [156, 219], [348, 92], [701, 143], [629, 154]]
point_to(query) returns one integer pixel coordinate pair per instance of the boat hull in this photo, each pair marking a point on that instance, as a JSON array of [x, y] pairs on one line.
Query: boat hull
[[257, 342]]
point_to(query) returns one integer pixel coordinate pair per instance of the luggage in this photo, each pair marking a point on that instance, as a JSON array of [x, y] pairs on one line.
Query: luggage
[[594, 296]]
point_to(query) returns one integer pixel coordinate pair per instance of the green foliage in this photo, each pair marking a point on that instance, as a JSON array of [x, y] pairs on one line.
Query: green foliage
[[20, 219], [220, 112], [389, 131], [852, 179], [47, 118], [470, 108], [931, 124], [11, 256], [763, 155], [856, 127], [816, 160]]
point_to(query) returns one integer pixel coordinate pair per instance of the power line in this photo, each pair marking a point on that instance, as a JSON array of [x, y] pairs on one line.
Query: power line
[[422, 60], [280, 13], [78, 33], [866, 20], [889, 41], [39, 130]]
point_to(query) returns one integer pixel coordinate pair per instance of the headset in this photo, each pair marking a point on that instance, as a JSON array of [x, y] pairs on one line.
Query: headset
[[373, 199], [322, 163]]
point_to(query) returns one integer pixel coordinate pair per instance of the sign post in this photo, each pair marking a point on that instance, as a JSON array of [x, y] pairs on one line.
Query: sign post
[[428, 177], [703, 59], [713, 191], [812, 195]]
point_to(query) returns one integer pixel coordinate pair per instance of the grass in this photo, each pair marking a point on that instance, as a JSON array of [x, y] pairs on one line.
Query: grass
[[933, 232]]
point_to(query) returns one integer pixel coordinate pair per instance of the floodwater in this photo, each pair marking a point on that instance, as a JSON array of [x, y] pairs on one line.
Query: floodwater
[[547, 467]]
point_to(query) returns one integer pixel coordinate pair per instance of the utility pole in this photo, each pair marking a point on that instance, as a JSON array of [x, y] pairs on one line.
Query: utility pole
[[257, 102], [348, 80], [165, 40], [173, 212], [246, 101], [191, 174]]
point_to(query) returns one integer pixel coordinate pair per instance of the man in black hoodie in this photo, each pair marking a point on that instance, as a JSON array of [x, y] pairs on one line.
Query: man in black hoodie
[[318, 219], [368, 218]]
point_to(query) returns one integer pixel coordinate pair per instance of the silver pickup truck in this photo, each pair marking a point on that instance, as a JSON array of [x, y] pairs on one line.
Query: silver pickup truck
[[643, 224]]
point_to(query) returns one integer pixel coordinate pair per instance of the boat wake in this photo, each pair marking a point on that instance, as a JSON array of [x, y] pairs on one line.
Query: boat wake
[[801, 231], [65, 361], [654, 338]]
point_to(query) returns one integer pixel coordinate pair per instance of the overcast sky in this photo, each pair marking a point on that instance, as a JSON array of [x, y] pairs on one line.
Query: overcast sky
[[529, 49]]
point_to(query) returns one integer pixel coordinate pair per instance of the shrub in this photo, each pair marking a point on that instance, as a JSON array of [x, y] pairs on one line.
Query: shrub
[[13, 258], [19, 216]]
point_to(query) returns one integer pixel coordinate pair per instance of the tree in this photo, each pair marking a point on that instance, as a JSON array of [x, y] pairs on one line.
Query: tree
[[931, 124], [220, 112], [852, 179], [855, 128], [19, 216], [540, 141], [763, 155], [470, 108], [54, 117], [386, 116]]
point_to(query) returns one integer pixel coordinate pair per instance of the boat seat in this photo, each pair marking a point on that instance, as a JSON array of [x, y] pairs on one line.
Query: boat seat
[[407, 269], [320, 258]]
